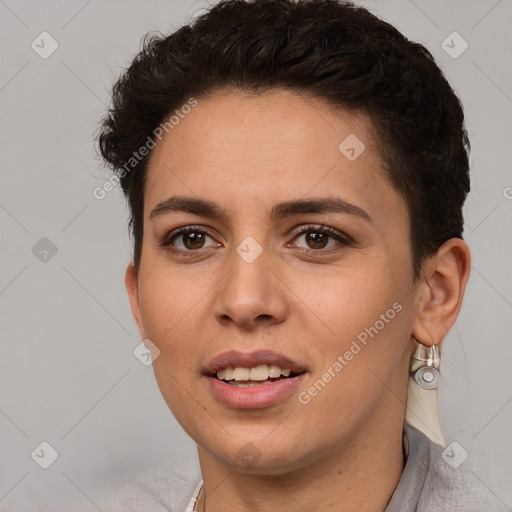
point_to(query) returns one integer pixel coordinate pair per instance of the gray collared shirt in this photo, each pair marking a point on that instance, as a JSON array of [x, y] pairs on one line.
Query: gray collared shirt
[[433, 483], [429, 483]]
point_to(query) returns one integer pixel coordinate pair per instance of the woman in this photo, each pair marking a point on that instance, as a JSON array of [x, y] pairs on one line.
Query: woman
[[296, 172]]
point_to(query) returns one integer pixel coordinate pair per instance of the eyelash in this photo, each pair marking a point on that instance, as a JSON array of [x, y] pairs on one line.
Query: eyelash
[[344, 240]]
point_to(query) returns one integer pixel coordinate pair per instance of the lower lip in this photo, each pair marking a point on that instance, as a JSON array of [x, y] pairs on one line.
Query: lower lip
[[254, 397]]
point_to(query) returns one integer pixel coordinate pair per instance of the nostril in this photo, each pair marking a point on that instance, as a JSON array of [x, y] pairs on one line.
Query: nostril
[[263, 316]]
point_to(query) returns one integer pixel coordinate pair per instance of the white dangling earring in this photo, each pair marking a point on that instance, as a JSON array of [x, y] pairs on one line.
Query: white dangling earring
[[425, 366], [422, 398]]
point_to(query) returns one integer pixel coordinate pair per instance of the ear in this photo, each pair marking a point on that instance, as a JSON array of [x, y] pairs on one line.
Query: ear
[[131, 281], [440, 292]]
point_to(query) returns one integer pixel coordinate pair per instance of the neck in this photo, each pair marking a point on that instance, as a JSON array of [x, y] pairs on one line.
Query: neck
[[358, 475]]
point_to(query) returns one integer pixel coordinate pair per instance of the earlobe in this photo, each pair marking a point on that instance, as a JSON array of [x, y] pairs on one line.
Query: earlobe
[[132, 287], [441, 292]]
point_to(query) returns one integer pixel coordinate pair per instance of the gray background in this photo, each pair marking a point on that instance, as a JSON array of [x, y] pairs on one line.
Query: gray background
[[68, 375]]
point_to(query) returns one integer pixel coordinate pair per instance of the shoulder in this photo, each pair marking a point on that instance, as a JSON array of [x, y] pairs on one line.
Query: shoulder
[[156, 488], [450, 482]]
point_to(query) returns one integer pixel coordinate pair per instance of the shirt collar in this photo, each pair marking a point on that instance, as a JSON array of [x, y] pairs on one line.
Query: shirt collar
[[408, 491]]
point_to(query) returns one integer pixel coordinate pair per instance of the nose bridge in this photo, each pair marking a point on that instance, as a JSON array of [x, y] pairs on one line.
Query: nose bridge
[[249, 266], [249, 291]]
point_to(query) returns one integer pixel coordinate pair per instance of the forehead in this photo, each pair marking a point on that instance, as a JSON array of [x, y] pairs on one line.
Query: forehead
[[249, 150]]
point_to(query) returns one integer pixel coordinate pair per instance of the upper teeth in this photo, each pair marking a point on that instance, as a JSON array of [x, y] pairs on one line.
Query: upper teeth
[[261, 372]]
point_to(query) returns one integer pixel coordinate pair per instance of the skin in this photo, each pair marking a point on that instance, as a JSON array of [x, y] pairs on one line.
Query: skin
[[342, 451]]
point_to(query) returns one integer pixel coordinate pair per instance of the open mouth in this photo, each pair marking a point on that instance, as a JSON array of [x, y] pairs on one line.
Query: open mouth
[[254, 380], [260, 375]]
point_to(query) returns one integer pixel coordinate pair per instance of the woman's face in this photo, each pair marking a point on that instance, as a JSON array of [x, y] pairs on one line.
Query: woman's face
[[297, 257]]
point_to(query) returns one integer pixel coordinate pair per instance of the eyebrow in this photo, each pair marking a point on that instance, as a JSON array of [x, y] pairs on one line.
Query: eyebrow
[[208, 208]]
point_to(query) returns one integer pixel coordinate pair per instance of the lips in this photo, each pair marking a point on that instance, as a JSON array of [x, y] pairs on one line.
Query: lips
[[242, 392], [236, 359]]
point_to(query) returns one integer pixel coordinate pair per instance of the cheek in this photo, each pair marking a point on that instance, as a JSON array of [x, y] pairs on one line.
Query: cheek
[[169, 313], [169, 316], [365, 323], [351, 299]]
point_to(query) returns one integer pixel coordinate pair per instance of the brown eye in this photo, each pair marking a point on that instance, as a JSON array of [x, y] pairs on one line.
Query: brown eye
[[318, 238], [193, 240], [188, 239]]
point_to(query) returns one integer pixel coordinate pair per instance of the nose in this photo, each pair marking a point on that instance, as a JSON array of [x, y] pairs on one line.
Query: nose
[[250, 295]]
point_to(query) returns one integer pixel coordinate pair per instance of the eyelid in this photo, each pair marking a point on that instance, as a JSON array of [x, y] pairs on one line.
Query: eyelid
[[320, 228], [166, 241]]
